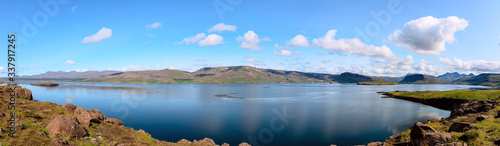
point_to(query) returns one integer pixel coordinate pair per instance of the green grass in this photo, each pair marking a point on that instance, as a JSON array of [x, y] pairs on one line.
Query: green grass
[[454, 94], [378, 82]]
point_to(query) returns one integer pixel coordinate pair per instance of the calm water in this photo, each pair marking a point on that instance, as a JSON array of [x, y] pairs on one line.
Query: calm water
[[269, 114]]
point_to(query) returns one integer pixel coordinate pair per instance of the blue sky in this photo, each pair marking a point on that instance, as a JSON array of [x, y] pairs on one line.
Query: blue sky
[[389, 37]]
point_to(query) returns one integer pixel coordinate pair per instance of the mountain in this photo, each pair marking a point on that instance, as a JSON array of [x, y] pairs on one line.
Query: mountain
[[420, 79], [231, 74], [486, 79], [347, 77], [70, 75], [450, 77]]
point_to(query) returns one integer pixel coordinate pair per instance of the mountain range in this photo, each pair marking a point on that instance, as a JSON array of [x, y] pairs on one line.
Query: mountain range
[[248, 74]]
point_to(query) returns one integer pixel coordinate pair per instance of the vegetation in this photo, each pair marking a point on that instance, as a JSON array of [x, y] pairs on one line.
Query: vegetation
[[378, 82], [46, 84], [454, 94], [420, 79], [482, 79]]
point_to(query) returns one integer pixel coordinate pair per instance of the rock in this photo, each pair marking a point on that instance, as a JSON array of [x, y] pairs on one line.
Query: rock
[[483, 117], [225, 144], [498, 114], [58, 142], [244, 144], [42, 134], [66, 125], [460, 127], [2, 114], [111, 143], [473, 107], [205, 141], [84, 117], [114, 121], [100, 138], [453, 144], [426, 135], [377, 144], [92, 140], [70, 107], [144, 132], [98, 114], [183, 141], [23, 93], [497, 142]]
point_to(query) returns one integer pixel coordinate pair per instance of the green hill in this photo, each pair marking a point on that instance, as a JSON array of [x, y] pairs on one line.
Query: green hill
[[420, 79], [486, 79], [231, 74]]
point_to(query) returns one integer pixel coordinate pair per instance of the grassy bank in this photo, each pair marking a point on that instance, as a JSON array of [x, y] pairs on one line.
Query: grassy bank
[[454, 94]]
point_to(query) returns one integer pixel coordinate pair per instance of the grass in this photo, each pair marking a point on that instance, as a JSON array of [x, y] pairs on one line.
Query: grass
[[454, 94], [378, 82]]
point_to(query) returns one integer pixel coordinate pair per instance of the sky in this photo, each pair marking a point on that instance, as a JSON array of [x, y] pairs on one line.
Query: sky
[[379, 38]]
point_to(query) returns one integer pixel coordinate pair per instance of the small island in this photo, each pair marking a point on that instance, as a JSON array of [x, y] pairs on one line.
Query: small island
[[378, 82], [46, 84]]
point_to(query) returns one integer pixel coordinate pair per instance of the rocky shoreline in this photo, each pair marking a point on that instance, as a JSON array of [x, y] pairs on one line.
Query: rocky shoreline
[[45, 123], [473, 122]]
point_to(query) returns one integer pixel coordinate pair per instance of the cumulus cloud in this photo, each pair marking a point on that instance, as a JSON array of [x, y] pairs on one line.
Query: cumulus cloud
[[222, 27], [354, 46], [266, 39], [194, 39], [154, 25], [102, 34], [298, 41], [69, 62], [130, 68], [283, 53], [211, 40], [428, 35], [250, 40], [471, 66]]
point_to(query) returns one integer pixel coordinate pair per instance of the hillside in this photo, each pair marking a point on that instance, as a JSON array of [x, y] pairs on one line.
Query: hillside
[[347, 77], [420, 79], [231, 74], [450, 77], [487, 79], [69, 75]]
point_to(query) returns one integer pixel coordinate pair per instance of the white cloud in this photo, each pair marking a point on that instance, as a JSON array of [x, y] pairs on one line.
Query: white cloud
[[102, 34], [354, 46], [266, 39], [73, 9], [171, 67], [298, 41], [154, 25], [278, 47], [250, 40], [428, 35], [211, 40], [283, 53], [222, 27], [34, 66], [130, 68], [194, 39], [69, 62], [252, 60], [471, 66], [325, 60]]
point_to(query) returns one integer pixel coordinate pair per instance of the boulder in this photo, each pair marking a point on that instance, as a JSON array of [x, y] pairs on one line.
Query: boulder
[[244, 144], [377, 144], [482, 117], [84, 117], [66, 125], [453, 144], [422, 135], [144, 132], [183, 141], [58, 142], [98, 114], [460, 127], [205, 141], [70, 107], [23, 93], [473, 107], [114, 121], [225, 144]]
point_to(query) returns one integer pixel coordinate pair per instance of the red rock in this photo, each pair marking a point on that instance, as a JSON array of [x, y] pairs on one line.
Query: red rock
[[84, 117], [66, 125]]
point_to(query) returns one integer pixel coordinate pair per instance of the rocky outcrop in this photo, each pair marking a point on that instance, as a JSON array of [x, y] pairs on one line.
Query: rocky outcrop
[[473, 107], [97, 113], [84, 117], [58, 142], [460, 127], [422, 135], [377, 144], [69, 107], [66, 125], [114, 121]]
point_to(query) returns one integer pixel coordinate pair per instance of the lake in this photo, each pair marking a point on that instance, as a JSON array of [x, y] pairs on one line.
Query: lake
[[265, 114]]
